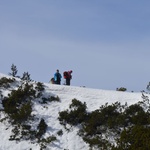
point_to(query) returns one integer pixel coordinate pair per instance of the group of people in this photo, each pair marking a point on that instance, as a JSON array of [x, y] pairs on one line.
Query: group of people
[[57, 77]]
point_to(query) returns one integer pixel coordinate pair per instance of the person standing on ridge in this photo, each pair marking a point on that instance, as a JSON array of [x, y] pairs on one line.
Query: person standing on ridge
[[68, 76], [57, 77]]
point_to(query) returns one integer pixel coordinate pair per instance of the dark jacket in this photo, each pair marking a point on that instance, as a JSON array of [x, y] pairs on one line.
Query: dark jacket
[[57, 78]]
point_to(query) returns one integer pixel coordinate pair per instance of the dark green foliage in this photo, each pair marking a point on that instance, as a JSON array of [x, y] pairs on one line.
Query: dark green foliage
[[111, 115], [60, 132], [15, 132], [55, 99], [18, 104], [18, 107], [50, 99], [44, 141], [107, 117], [6, 82], [97, 142], [76, 115], [39, 88], [129, 124], [64, 117], [135, 114], [23, 113], [121, 89], [1, 95], [134, 138], [13, 70], [26, 77], [42, 127], [145, 102], [27, 133], [22, 132]]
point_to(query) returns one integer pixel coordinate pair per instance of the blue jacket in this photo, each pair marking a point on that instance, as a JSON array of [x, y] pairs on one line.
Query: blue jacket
[[57, 75]]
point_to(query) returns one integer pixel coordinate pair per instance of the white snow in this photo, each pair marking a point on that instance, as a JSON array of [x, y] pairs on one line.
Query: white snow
[[94, 98]]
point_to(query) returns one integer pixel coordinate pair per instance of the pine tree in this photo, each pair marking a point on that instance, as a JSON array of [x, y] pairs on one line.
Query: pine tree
[[26, 77], [14, 70]]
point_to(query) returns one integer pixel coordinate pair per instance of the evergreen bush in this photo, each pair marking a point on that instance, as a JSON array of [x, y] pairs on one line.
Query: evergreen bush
[[18, 104], [42, 127], [6, 82], [26, 77], [13, 70], [121, 89], [134, 138], [76, 115]]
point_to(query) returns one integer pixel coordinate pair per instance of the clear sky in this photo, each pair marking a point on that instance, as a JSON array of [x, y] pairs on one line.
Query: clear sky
[[105, 43]]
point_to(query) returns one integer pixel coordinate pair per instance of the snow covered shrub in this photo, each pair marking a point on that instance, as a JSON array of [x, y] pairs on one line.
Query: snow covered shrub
[[5, 82], [18, 104], [23, 113], [50, 99], [16, 133], [1, 95], [76, 115], [136, 115], [64, 117], [42, 127], [26, 77], [134, 138], [126, 125], [53, 98], [44, 141], [97, 143], [60, 132], [121, 89], [18, 107], [100, 124], [39, 88], [145, 103], [14, 70], [107, 117]]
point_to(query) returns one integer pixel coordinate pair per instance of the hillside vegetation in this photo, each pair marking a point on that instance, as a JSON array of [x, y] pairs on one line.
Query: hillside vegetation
[[111, 127]]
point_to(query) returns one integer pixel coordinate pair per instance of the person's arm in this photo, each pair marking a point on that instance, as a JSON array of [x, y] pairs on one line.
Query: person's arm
[[60, 76], [55, 77]]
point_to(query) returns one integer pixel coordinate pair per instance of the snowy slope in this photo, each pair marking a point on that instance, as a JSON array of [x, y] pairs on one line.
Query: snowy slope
[[94, 98]]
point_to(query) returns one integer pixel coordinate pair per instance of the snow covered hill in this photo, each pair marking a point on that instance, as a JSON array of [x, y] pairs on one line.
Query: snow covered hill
[[94, 98]]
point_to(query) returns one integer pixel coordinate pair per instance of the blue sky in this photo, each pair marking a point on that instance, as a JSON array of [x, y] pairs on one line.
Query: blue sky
[[105, 43]]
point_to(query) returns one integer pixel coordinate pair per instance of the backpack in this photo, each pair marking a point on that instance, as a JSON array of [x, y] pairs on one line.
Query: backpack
[[65, 74]]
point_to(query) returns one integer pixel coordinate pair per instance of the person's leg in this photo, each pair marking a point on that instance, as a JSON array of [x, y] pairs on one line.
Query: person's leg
[[67, 81]]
